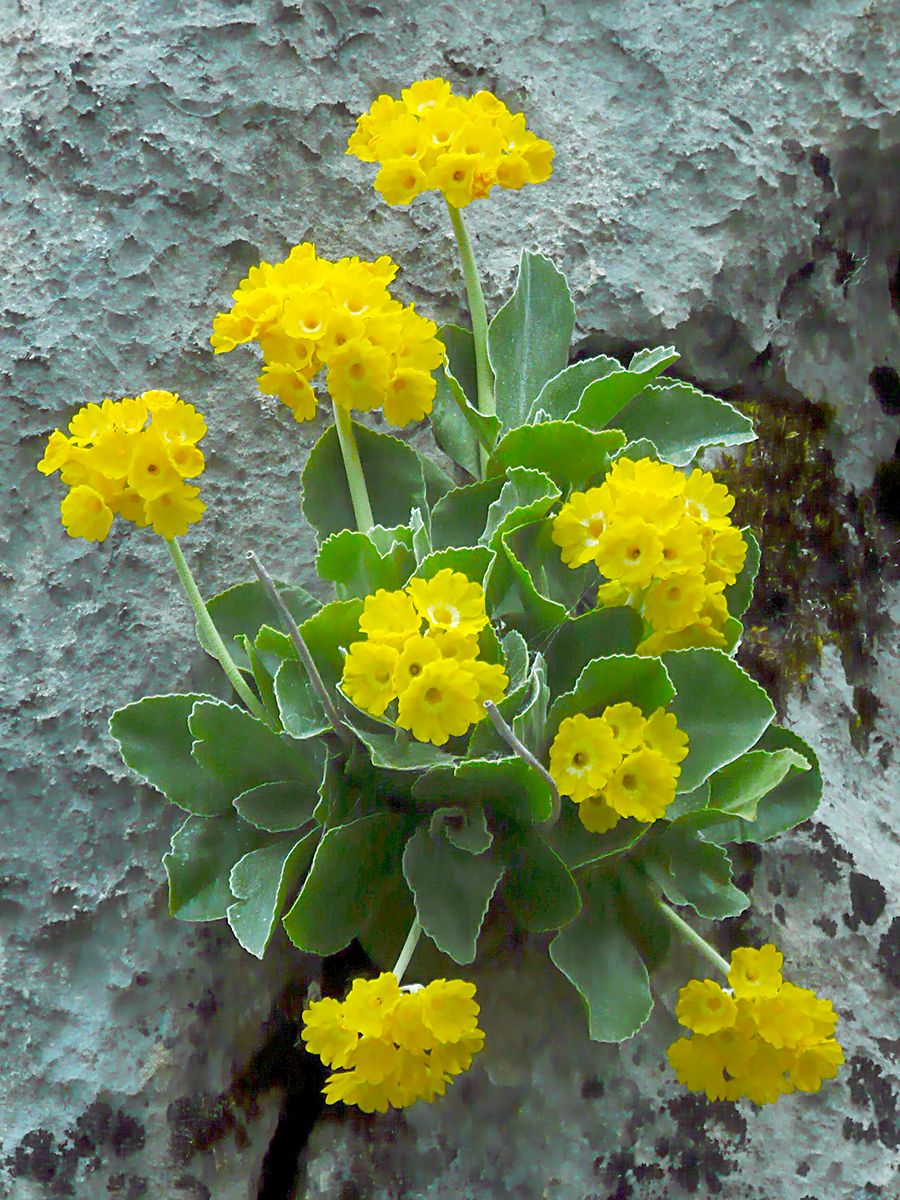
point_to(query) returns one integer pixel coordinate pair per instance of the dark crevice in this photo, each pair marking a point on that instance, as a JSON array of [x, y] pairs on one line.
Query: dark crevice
[[885, 383]]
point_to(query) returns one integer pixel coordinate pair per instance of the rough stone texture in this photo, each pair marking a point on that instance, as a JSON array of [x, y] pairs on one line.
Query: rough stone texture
[[723, 182]]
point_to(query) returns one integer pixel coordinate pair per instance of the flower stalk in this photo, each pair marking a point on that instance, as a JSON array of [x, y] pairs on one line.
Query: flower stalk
[[356, 480], [409, 949], [692, 937]]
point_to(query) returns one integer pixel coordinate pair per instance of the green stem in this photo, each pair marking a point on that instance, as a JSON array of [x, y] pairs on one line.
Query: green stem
[[693, 937], [484, 376], [518, 747], [409, 948], [211, 634], [356, 481]]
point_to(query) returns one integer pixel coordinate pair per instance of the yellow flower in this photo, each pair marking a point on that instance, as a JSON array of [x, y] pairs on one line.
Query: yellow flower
[[596, 815], [370, 1002], [449, 1009], [409, 396], [580, 523], [492, 681], [368, 676], [291, 387], [440, 703], [675, 602], [450, 601], [90, 422], [85, 514], [726, 553], [389, 617], [417, 652], [56, 454], [174, 511], [756, 974], [661, 733], [708, 502], [704, 1007], [400, 180], [325, 1033], [630, 551], [150, 472], [642, 787], [682, 548], [627, 725], [811, 1066], [583, 756]]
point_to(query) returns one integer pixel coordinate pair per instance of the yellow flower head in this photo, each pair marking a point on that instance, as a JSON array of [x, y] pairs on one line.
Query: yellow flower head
[[368, 677], [310, 314], [629, 552], [704, 1007], [643, 786], [708, 502], [130, 458], [583, 756], [450, 601], [389, 617], [675, 602], [440, 703], [431, 140], [627, 724], [756, 974], [597, 816], [581, 522]]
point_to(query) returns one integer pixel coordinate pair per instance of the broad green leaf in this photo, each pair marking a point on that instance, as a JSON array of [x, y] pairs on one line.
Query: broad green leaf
[[604, 681], [329, 633], [277, 807], [394, 477], [515, 658], [262, 676], [577, 846], [682, 421], [384, 928], [642, 919], [154, 740], [538, 887], [457, 424], [528, 339], [204, 849], [245, 608], [452, 890], [595, 634], [534, 547], [528, 723], [243, 753], [740, 593], [693, 871], [352, 562], [472, 561], [339, 795], [738, 787], [274, 646], [467, 829], [597, 957], [605, 398], [402, 753], [421, 538], [688, 802], [507, 787], [721, 709], [793, 800], [652, 362], [732, 631], [526, 496], [458, 519], [301, 709], [560, 395], [513, 598], [335, 899], [262, 881], [642, 448], [570, 454]]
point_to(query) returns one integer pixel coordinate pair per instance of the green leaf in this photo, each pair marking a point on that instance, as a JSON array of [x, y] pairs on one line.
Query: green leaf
[[688, 802], [338, 794], [452, 889], [245, 608], [512, 596], [393, 473], [204, 849], [595, 634], [642, 448], [528, 723], [402, 753], [352, 562], [570, 454], [604, 681], [458, 519], [721, 709], [738, 787], [154, 740], [457, 424], [472, 561], [467, 829], [577, 846], [682, 421], [515, 658], [606, 397], [651, 363], [349, 862], [331, 631], [421, 538], [692, 871], [274, 646], [597, 957], [740, 593], [528, 339], [277, 807], [262, 881], [560, 395], [242, 752], [507, 787], [534, 547], [301, 709], [262, 676], [538, 887], [526, 496]]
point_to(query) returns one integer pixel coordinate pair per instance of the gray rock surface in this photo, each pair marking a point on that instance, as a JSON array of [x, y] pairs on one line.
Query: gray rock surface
[[723, 182]]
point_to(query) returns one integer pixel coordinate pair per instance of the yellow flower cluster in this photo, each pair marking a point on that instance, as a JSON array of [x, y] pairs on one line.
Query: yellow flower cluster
[[620, 764], [762, 1039], [307, 313], [393, 1046], [665, 544], [129, 457], [431, 140], [439, 682]]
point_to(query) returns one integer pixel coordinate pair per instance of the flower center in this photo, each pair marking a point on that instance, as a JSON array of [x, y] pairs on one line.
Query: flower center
[[629, 781], [434, 696]]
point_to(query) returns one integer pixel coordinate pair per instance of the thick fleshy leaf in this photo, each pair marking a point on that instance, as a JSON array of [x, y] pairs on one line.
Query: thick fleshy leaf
[[740, 593], [721, 709], [595, 953], [204, 849], [243, 753], [245, 608], [688, 802], [560, 395], [507, 787], [570, 454], [472, 561], [459, 428], [534, 547], [452, 889], [154, 740], [402, 753], [605, 681], [300, 708], [595, 634], [329, 633], [421, 538], [353, 563], [526, 496], [691, 870], [738, 787], [513, 598], [605, 398], [458, 519], [262, 677], [651, 362], [277, 807], [528, 723], [528, 339], [334, 902], [465, 828], [262, 881], [681, 420], [394, 478], [577, 846], [339, 792], [538, 887], [515, 658]]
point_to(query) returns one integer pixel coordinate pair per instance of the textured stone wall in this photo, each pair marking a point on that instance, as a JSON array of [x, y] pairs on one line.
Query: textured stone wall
[[724, 182]]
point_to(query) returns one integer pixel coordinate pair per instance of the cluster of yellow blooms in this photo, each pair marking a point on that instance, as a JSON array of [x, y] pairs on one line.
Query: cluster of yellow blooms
[[129, 457], [393, 1046], [436, 676], [762, 1039], [431, 140], [620, 764], [307, 313], [666, 545]]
